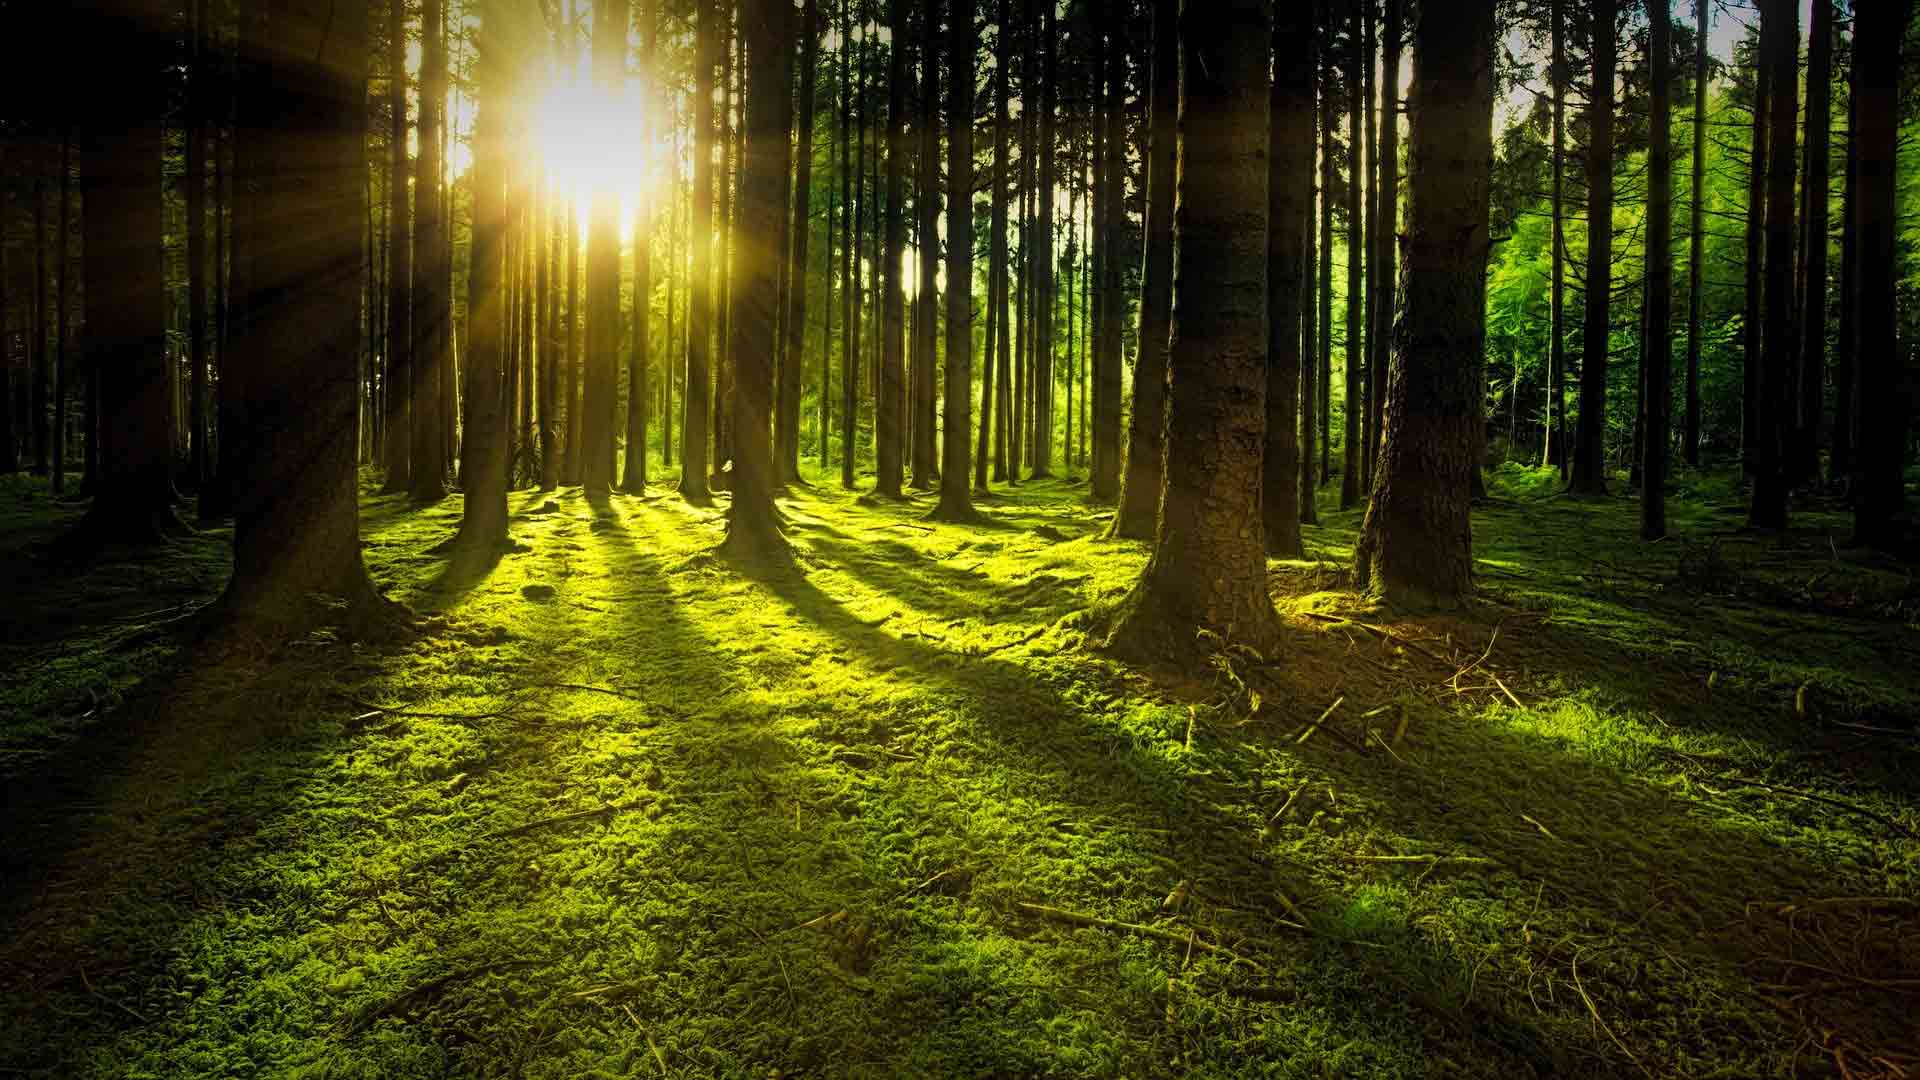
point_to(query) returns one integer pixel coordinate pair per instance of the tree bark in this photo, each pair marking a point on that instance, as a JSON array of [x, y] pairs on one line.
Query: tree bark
[[633, 472], [1589, 450], [693, 444], [1885, 406], [1140, 486], [794, 354], [399, 322], [927, 208], [1289, 210], [1352, 456], [1103, 482], [1416, 546], [1657, 405], [1696, 237], [956, 473], [996, 270], [1043, 281], [1752, 335], [124, 273], [1847, 345], [893, 313], [1205, 585], [432, 306], [1384, 229], [1805, 464], [1779, 37], [296, 518], [1309, 341], [199, 465]]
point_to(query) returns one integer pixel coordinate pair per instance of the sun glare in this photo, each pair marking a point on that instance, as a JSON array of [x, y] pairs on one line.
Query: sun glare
[[589, 141]]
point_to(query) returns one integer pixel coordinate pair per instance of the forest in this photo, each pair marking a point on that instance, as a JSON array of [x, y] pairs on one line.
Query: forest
[[975, 538]]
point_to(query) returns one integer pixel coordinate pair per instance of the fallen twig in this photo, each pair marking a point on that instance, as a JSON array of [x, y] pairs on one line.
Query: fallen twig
[[591, 689], [1840, 804], [1598, 1019], [1022, 640], [1189, 938], [1469, 860], [395, 710], [904, 525], [1315, 726], [1504, 690]]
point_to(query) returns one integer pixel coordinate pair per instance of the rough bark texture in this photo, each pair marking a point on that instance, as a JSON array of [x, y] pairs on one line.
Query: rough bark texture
[[296, 520], [753, 523], [1352, 406], [927, 209], [1309, 292], [1103, 481], [1140, 486], [1289, 203], [1589, 445], [1657, 407], [1384, 230], [1043, 283], [1805, 464], [1696, 237], [432, 300], [1885, 408], [1554, 452], [1779, 45], [956, 474], [1752, 336], [399, 325], [893, 309], [122, 265], [1206, 583], [1416, 546], [990, 412], [693, 431], [792, 352]]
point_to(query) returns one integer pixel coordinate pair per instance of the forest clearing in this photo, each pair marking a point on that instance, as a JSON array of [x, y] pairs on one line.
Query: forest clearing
[[621, 811]]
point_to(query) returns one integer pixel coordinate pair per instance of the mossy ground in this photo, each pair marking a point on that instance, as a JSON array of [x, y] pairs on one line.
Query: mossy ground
[[624, 810]]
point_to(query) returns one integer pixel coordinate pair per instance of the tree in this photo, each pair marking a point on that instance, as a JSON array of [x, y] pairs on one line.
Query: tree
[[1696, 236], [483, 434], [1753, 317], [1555, 450], [199, 75], [1043, 282], [399, 324], [296, 520], [888, 466], [1879, 487], [1416, 545], [1804, 465], [1657, 405], [1589, 439], [122, 264], [1289, 209], [1779, 48], [926, 199], [1208, 571], [1384, 228], [1103, 480], [432, 316], [793, 356], [1352, 458], [633, 472], [693, 444], [995, 340], [753, 522], [956, 476], [1140, 486], [603, 272], [1311, 255]]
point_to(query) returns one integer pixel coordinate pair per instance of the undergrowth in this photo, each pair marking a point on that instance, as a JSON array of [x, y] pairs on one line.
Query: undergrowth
[[620, 809]]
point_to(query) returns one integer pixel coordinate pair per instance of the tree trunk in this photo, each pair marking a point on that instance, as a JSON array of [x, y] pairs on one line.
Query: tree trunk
[[633, 472], [1290, 205], [1589, 449], [996, 268], [693, 444], [1103, 482], [1206, 584], [887, 442], [399, 322], [62, 322], [1043, 281], [753, 524], [1847, 346], [723, 230], [1696, 233], [1752, 335], [1371, 385], [1805, 464], [125, 276], [600, 397], [1140, 487], [198, 100], [1309, 289], [1416, 547], [857, 209], [1384, 231], [795, 353], [1328, 178], [956, 474], [1657, 404], [1779, 37], [1555, 450], [927, 207], [296, 520], [432, 306], [1352, 457], [1885, 407]]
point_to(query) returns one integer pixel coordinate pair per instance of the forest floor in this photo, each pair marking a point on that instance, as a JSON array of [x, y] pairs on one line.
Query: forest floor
[[620, 809]]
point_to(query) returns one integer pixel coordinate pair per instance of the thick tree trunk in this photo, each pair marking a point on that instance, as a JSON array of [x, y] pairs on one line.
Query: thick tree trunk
[[1384, 231], [1140, 487], [1804, 466], [1352, 456], [122, 265], [956, 473], [893, 312], [1289, 210], [1589, 447], [723, 231], [1779, 364], [693, 444], [1206, 584], [601, 394], [1416, 547], [753, 523], [1657, 404], [296, 523], [1885, 406]]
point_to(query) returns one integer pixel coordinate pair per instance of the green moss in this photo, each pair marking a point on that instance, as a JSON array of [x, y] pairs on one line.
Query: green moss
[[667, 812]]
